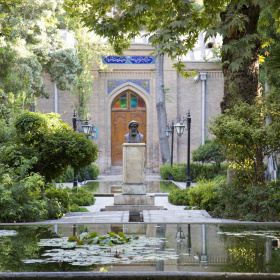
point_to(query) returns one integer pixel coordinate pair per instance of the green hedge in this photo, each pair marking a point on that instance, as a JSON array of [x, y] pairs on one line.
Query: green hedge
[[90, 172], [82, 198], [179, 197], [206, 194], [198, 171]]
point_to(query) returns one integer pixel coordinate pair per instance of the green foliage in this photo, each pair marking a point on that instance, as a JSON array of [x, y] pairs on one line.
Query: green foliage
[[167, 186], [89, 56], [23, 245], [244, 202], [247, 137], [168, 24], [67, 175], [30, 45], [210, 152], [198, 171], [59, 195], [36, 133], [205, 194], [175, 25], [76, 208], [90, 172], [21, 201], [82, 198], [111, 238], [93, 171], [179, 197]]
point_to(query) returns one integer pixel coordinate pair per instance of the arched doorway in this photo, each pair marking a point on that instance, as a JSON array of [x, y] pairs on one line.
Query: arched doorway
[[126, 107]]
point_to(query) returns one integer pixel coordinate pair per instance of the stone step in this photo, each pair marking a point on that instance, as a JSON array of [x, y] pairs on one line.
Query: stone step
[[115, 170]]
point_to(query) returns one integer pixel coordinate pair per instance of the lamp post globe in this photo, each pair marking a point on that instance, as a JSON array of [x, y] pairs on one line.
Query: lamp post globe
[[179, 128], [86, 127]]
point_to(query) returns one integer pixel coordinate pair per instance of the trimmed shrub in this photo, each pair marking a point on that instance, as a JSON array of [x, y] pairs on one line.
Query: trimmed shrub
[[59, 195], [82, 198], [179, 197], [93, 172], [198, 171], [206, 194], [76, 208]]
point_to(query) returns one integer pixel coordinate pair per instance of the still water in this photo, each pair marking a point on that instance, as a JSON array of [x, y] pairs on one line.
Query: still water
[[110, 187], [153, 247]]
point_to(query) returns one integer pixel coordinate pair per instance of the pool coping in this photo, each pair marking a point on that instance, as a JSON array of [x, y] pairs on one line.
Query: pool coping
[[137, 275]]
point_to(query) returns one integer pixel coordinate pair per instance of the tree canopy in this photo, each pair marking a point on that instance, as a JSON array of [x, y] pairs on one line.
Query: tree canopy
[[211, 151], [48, 144]]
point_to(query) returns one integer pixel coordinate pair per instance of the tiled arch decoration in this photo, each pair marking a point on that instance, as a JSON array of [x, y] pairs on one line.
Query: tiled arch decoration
[[144, 84]]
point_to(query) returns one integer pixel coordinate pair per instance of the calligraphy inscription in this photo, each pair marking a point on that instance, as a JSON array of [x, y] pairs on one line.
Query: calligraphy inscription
[[128, 59]]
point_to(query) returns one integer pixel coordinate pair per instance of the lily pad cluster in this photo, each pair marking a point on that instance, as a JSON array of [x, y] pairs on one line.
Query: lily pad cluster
[[259, 233], [111, 238], [89, 248], [7, 232]]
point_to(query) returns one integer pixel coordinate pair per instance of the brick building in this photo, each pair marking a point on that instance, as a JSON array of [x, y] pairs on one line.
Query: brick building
[[128, 92]]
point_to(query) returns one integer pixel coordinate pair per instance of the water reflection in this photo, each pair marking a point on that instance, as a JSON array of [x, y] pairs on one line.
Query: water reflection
[[111, 187], [199, 247]]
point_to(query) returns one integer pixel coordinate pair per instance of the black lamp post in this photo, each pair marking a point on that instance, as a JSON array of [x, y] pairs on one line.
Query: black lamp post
[[170, 131], [188, 182], [86, 129], [180, 129]]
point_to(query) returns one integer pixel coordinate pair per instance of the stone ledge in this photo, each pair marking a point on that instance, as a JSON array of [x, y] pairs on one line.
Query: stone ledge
[[129, 199], [134, 189], [137, 275], [132, 208]]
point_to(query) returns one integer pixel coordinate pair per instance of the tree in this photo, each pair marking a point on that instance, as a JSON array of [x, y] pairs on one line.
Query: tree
[[31, 44], [34, 135], [89, 54], [211, 151], [128, 19], [175, 25], [246, 136]]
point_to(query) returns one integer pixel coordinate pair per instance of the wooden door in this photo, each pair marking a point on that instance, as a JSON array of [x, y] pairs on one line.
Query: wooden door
[[126, 108]]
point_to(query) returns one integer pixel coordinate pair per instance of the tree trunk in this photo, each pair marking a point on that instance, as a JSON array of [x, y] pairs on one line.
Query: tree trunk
[[161, 110], [242, 84]]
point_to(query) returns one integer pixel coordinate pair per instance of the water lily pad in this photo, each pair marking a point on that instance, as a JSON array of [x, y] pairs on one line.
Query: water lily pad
[[7, 232], [138, 250]]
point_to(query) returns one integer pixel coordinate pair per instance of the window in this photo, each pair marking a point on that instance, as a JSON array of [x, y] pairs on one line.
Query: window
[[129, 101]]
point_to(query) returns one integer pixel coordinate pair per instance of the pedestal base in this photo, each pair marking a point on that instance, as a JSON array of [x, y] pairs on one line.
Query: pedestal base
[[134, 189], [129, 199], [132, 208]]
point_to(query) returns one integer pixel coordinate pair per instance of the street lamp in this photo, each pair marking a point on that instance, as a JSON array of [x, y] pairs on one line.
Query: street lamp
[[188, 182], [93, 131], [170, 131], [180, 129], [86, 129]]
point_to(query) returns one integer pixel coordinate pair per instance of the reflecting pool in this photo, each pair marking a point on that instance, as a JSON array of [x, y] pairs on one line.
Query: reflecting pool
[[151, 247], [111, 187]]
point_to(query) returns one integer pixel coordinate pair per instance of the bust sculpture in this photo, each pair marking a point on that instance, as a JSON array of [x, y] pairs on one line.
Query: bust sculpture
[[134, 136]]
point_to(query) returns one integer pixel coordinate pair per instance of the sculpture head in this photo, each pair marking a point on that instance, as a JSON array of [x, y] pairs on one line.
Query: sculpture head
[[133, 126], [133, 136]]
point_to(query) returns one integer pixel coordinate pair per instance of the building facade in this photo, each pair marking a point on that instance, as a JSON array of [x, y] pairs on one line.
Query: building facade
[[128, 91]]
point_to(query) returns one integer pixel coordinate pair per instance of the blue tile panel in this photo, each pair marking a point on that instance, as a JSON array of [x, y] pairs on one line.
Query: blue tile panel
[[142, 83], [128, 59]]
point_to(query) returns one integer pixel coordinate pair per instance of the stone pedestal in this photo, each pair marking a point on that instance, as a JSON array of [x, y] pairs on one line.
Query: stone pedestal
[[134, 171], [134, 197]]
